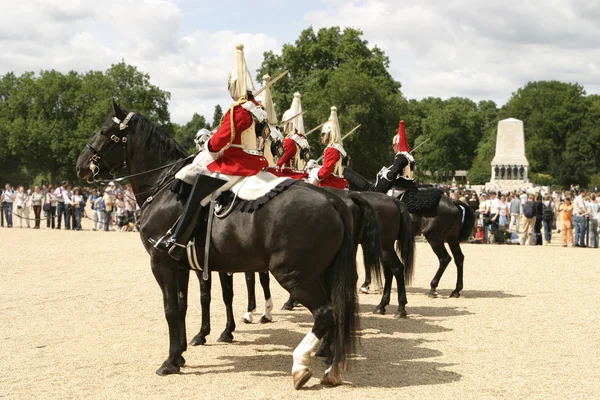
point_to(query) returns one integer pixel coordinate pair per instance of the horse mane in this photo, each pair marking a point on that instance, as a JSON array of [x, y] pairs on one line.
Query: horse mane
[[356, 181], [153, 136]]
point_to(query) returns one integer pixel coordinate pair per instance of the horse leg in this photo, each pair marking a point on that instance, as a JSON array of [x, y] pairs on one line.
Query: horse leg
[[265, 282], [313, 297], [397, 268], [440, 251], [289, 304], [459, 259], [227, 288], [183, 279], [364, 288], [387, 288], [250, 285], [167, 278], [205, 287]]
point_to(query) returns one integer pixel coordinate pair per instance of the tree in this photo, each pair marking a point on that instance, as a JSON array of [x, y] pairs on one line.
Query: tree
[[335, 68], [217, 117], [48, 118]]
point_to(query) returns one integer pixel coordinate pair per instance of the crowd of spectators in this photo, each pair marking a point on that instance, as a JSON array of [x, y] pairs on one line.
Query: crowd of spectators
[[519, 217], [65, 206]]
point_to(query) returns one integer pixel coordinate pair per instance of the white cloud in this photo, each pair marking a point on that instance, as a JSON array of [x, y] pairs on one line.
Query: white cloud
[[81, 35], [477, 49]]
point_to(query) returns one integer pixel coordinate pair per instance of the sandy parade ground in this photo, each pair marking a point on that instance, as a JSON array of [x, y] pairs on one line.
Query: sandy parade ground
[[82, 317]]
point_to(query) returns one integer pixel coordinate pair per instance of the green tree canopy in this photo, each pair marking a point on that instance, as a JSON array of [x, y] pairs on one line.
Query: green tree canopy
[[46, 118], [338, 68]]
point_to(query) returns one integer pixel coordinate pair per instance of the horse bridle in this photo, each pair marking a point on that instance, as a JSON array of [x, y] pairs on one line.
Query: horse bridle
[[112, 141]]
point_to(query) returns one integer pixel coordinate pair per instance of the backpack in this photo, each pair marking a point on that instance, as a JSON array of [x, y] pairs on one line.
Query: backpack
[[529, 210], [547, 213]]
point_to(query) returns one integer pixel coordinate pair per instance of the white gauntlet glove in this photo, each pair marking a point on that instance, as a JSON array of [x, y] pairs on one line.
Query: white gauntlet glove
[[313, 175], [311, 164]]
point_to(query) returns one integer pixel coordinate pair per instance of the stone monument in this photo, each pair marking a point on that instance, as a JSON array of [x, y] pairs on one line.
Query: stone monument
[[510, 167]]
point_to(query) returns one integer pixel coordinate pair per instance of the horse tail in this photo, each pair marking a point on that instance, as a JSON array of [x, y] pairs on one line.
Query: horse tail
[[342, 277], [370, 239], [468, 221], [405, 244]]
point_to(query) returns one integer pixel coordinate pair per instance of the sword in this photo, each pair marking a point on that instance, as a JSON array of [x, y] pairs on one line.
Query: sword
[[315, 128], [270, 83], [351, 132], [343, 137], [292, 118], [419, 145]]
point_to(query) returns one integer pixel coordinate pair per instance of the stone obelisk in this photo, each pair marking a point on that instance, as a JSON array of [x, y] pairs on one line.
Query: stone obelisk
[[510, 167]]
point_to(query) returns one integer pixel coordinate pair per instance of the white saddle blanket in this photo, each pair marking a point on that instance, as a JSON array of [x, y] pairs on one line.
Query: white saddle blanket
[[257, 186]]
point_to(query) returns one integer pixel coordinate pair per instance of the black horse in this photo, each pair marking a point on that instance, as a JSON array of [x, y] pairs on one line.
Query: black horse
[[365, 230], [440, 219], [318, 269]]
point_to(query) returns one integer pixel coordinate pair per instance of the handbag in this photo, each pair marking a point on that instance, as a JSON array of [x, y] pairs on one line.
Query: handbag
[[46, 207]]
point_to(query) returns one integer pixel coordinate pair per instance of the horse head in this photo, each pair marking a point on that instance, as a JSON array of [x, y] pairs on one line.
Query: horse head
[[107, 151]]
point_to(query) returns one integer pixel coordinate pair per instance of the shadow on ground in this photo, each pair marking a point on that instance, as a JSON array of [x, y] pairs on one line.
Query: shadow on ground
[[470, 294], [383, 358]]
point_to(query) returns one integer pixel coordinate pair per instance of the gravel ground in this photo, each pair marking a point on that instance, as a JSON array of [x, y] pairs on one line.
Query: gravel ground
[[82, 317]]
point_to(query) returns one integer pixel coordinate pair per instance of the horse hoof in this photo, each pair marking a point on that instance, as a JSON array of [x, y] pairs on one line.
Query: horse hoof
[[181, 361], [364, 290], [401, 313], [265, 320], [331, 379], [432, 293], [287, 307], [379, 310], [455, 294], [226, 338], [198, 341], [301, 377], [247, 318], [167, 369]]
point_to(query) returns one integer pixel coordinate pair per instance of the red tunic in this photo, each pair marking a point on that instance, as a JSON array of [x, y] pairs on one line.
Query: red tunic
[[326, 176], [290, 148], [235, 161], [284, 167]]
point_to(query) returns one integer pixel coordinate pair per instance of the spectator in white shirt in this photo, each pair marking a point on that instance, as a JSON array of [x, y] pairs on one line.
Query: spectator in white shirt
[[580, 213], [36, 203], [9, 199], [51, 212], [66, 194], [22, 207], [60, 203]]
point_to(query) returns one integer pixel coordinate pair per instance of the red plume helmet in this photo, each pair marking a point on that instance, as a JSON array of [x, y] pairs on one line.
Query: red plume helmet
[[400, 141]]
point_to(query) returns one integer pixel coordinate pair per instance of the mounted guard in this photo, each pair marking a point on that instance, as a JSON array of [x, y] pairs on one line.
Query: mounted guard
[[274, 142], [332, 172], [234, 151], [401, 171], [296, 148]]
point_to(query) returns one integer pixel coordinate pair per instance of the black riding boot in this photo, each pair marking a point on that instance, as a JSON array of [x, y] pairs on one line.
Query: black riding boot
[[176, 244]]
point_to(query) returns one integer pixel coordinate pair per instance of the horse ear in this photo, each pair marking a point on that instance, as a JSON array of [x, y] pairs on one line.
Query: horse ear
[[118, 112]]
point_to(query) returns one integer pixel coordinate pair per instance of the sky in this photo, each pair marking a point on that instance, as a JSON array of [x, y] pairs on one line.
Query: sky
[[480, 49]]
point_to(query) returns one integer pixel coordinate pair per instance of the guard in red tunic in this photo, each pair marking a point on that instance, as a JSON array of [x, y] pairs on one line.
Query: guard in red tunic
[[274, 143], [296, 149], [234, 151], [331, 173]]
